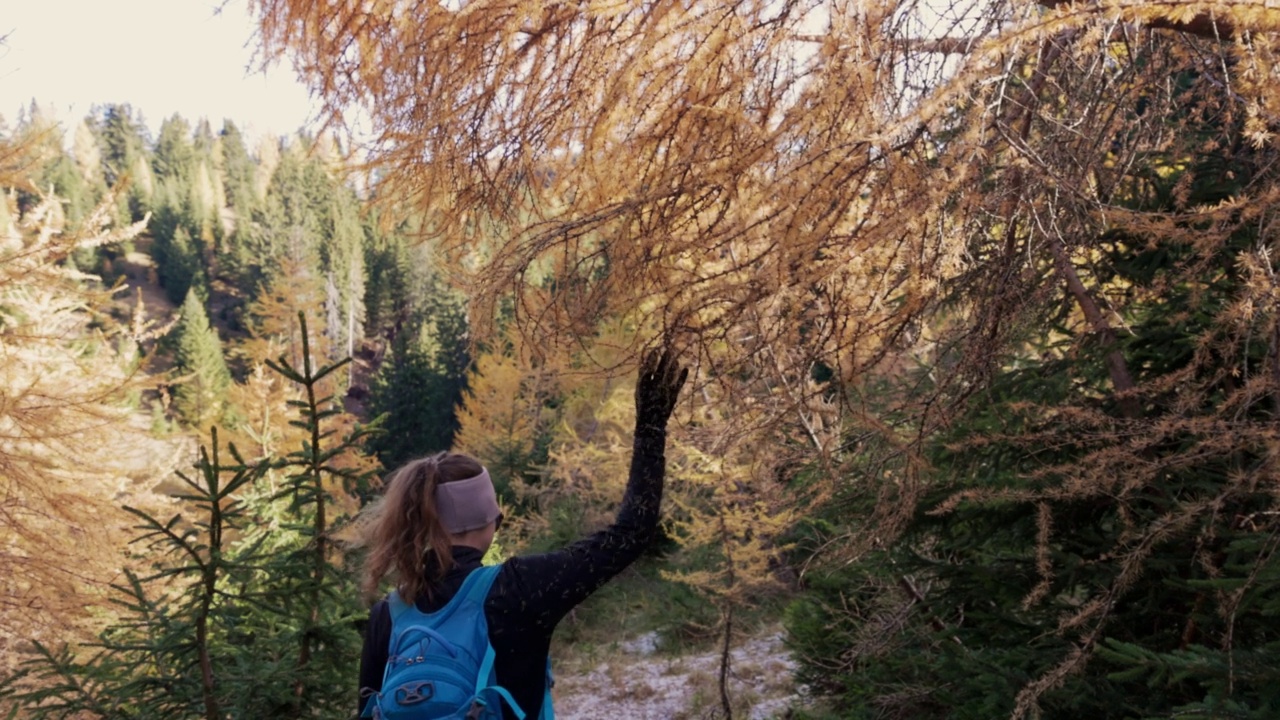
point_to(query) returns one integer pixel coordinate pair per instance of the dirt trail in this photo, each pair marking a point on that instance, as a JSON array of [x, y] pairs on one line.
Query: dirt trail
[[638, 683]]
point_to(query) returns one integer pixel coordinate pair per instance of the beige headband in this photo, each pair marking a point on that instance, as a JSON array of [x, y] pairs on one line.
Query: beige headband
[[467, 504]]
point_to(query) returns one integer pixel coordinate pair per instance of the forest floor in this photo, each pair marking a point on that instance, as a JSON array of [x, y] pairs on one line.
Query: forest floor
[[139, 272], [638, 679], [152, 458]]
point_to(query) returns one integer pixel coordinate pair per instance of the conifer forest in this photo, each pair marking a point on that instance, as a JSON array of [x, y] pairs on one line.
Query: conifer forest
[[978, 300]]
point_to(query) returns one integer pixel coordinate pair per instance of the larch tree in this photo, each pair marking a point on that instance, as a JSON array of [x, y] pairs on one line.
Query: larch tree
[[268, 154], [507, 415], [865, 218], [730, 173], [342, 261], [68, 449], [273, 316], [87, 154]]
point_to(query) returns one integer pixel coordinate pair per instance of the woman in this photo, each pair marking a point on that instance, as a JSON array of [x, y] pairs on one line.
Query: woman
[[439, 515]]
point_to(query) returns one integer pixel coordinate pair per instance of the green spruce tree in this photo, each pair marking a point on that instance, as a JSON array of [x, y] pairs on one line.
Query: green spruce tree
[[238, 169], [123, 139], [1083, 551], [247, 609], [418, 390], [176, 248], [200, 365], [174, 155]]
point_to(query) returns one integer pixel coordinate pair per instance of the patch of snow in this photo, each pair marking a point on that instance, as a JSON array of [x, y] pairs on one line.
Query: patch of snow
[[644, 645]]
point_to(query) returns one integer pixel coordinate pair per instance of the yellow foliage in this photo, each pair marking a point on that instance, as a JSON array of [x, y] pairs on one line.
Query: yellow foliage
[[591, 451], [738, 516], [274, 316], [261, 428], [505, 411]]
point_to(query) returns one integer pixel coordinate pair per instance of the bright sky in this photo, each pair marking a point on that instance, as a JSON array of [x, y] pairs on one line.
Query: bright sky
[[160, 56]]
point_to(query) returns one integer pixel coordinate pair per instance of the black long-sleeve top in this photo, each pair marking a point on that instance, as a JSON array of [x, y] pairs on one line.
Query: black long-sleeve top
[[532, 593]]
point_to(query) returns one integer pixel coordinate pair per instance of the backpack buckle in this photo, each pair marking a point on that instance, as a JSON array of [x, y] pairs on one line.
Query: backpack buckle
[[412, 693], [477, 707]]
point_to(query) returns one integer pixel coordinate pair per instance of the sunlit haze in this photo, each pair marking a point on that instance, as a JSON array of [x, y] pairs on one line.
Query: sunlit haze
[[190, 57]]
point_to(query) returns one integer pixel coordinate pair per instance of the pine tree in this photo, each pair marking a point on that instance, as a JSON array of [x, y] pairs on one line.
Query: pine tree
[[1086, 548], [203, 139], [387, 263], [238, 261], [142, 185], [342, 259], [418, 417], [289, 222], [67, 182], [215, 160], [421, 384]]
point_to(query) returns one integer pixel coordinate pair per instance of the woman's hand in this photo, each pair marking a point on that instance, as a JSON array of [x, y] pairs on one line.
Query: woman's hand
[[657, 390]]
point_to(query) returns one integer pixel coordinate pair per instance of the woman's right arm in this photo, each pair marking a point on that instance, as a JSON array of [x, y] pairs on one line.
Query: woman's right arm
[[544, 588]]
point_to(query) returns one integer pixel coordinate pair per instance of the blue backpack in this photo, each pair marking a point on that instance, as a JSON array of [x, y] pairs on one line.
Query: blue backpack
[[440, 664]]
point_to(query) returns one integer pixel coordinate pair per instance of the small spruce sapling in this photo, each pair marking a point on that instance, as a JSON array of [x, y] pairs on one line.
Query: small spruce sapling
[[246, 610]]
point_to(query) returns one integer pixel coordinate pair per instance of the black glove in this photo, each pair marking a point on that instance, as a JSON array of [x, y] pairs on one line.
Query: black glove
[[657, 391]]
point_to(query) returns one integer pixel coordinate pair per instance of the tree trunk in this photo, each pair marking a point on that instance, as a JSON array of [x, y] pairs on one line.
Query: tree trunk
[[1117, 367]]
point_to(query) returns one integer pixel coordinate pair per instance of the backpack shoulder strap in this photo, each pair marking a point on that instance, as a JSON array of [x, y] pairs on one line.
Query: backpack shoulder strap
[[396, 605], [476, 587], [548, 712]]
